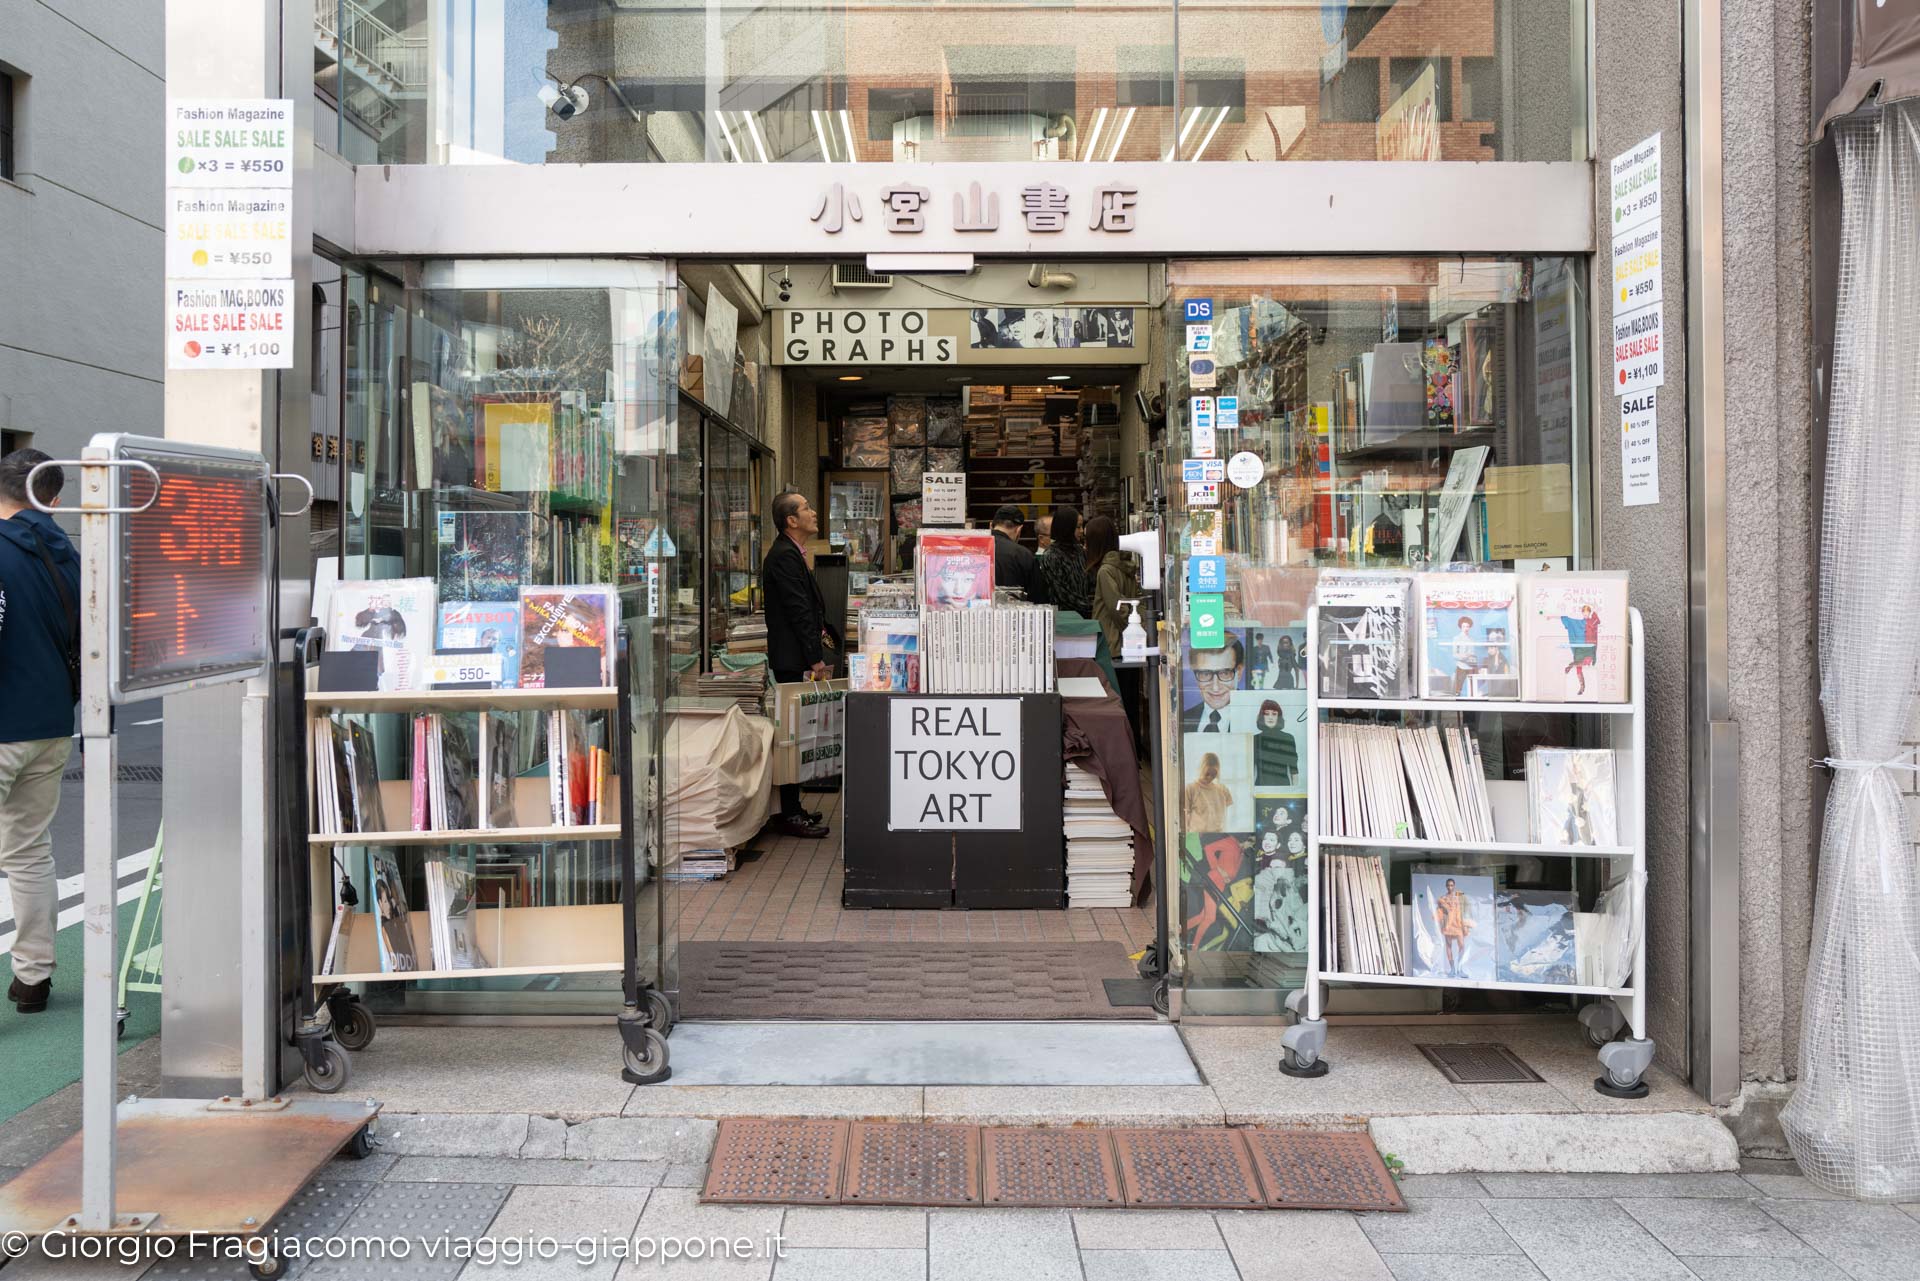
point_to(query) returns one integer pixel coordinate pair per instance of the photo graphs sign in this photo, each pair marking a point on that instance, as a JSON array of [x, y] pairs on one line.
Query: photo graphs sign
[[954, 763], [879, 336]]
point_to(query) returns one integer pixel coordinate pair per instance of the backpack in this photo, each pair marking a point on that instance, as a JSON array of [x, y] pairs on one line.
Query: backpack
[[70, 650]]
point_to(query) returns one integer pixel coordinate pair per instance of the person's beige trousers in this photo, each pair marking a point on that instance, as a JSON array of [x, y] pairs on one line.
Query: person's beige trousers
[[29, 796]]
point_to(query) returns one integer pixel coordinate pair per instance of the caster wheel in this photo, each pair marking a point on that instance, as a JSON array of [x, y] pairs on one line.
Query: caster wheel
[[360, 1146], [119, 1027], [1597, 1037], [1148, 966], [353, 1027], [648, 1067], [1614, 1088], [1293, 1063], [1162, 1003], [328, 1074], [659, 1012], [266, 1266]]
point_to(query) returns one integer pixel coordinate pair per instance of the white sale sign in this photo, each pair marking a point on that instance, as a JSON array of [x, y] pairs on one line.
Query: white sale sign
[[954, 763]]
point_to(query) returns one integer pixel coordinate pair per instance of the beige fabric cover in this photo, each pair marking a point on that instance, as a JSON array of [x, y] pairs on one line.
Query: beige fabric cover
[[719, 779]]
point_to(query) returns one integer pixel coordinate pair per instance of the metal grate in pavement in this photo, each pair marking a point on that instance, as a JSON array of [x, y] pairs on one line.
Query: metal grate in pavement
[[896, 1164], [1190, 1169], [126, 773], [785, 1162], [1480, 1064], [1073, 1168], [1318, 1170]]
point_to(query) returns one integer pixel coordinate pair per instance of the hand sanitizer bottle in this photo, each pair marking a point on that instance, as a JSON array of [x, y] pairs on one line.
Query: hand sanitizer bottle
[[1133, 641]]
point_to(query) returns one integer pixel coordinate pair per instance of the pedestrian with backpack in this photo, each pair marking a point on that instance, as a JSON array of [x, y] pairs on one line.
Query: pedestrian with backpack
[[39, 685]]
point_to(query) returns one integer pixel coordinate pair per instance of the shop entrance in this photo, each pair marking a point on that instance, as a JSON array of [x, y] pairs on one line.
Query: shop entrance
[[1017, 395]]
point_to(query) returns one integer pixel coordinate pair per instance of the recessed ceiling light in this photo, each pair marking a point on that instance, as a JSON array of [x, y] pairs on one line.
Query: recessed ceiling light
[[851, 378], [1058, 378]]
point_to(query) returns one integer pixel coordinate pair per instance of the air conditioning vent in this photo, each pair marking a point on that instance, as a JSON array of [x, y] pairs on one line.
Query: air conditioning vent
[[853, 275]]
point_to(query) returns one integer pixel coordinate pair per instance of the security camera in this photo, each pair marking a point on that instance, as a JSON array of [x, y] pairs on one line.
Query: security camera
[[565, 102], [784, 283]]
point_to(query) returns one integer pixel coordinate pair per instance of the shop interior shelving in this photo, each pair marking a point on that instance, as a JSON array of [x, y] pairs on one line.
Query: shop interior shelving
[[1623, 727]]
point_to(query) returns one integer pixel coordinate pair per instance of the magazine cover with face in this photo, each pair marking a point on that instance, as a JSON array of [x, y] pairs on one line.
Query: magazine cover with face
[[394, 616], [390, 908], [955, 568], [1469, 636], [1453, 933]]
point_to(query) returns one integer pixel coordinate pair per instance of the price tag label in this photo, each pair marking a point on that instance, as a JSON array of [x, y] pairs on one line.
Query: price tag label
[[464, 669], [230, 142]]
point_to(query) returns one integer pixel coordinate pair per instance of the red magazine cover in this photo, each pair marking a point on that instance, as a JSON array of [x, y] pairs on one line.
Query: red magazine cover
[[955, 568]]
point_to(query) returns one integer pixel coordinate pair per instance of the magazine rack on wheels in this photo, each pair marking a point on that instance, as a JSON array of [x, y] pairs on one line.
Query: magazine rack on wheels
[[568, 939], [1624, 1061]]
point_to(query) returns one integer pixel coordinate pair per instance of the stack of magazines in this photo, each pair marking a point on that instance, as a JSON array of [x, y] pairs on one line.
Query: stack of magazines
[[444, 772], [1099, 845], [747, 687], [1007, 649], [346, 780], [450, 904], [889, 655], [701, 865], [579, 772], [1397, 782], [1360, 924]]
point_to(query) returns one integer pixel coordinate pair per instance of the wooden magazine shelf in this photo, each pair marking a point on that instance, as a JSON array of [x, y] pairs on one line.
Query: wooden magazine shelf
[[520, 941]]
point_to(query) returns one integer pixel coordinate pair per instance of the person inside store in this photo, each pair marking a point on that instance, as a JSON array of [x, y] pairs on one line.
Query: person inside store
[[1014, 565], [800, 644], [1042, 535], [1113, 578], [1063, 563]]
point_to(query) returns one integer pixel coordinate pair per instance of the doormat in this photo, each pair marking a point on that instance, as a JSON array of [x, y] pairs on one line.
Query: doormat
[[761, 1161], [932, 981], [1130, 993]]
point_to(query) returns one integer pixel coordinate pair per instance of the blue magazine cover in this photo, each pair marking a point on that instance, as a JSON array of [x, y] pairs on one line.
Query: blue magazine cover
[[1536, 932], [484, 624]]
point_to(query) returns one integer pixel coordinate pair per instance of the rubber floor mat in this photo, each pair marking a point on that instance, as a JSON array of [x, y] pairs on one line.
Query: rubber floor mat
[[853, 981], [898, 1163]]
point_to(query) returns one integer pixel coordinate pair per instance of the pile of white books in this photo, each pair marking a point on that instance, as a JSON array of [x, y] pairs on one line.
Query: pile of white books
[[1361, 925], [701, 865], [1099, 845], [1391, 783], [1005, 649]]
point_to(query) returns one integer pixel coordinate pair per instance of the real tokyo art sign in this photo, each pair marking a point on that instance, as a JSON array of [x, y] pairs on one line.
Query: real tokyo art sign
[[954, 763], [882, 336]]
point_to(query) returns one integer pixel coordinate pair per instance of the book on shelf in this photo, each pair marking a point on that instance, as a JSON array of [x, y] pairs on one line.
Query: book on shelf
[[1451, 927], [1572, 800], [568, 781], [514, 442], [395, 929], [450, 904], [1537, 936], [1393, 783], [336, 955], [488, 626], [499, 754], [1365, 635], [1456, 502], [1574, 637], [442, 438], [1469, 647], [1005, 649], [487, 555], [552, 617], [363, 776], [445, 774], [1360, 925], [394, 616]]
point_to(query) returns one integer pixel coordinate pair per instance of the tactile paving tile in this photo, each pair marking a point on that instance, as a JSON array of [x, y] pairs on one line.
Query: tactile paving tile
[[1192, 1169], [795, 1162], [1049, 1167], [320, 1210], [912, 1164], [421, 1213], [1480, 1063], [1322, 1170]]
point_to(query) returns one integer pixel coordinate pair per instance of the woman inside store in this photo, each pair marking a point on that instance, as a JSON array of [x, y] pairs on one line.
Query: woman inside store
[[1063, 565]]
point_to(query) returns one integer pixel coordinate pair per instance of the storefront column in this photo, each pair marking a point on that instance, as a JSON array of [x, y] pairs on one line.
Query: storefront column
[[234, 51]]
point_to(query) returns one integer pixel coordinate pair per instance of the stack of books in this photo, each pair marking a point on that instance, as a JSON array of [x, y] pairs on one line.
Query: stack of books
[[1007, 649], [747, 688], [1396, 783], [1362, 924], [747, 635], [1099, 845], [701, 865]]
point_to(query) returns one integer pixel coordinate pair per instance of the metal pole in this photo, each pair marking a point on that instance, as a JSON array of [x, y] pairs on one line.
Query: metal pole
[[99, 1054], [258, 1020]]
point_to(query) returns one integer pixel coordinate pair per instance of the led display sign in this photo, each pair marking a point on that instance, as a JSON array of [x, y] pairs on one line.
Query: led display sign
[[189, 605]]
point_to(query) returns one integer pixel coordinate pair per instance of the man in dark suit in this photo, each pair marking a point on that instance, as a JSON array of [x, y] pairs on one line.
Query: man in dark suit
[[797, 636], [1014, 565]]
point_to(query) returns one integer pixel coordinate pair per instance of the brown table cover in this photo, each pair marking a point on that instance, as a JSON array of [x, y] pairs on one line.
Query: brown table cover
[[1095, 735]]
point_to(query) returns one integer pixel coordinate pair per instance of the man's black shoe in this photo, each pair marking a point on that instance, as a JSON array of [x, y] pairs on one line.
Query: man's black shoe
[[815, 817], [30, 998], [798, 825]]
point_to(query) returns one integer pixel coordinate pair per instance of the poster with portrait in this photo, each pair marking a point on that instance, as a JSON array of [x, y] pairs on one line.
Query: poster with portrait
[[1216, 892], [955, 568], [1277, 657], [1208, 679], [1277, 722], [1218, 791]]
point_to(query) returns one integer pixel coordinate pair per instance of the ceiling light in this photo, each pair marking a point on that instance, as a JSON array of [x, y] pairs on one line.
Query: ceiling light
[[1093, 134], [753, 131], [1212, 130], [851, 378], [820, 132], [1058, 378], [1192, 120], [846, 127]]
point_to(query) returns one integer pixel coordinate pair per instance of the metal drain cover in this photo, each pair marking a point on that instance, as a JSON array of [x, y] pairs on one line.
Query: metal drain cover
[[1480, 1064], [779, 1161], [1192, 1169], [1049, 1167], [897, 1164], [1319, 1170]]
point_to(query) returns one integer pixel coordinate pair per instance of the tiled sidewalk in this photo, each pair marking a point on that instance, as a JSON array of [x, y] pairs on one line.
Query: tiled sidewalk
[[791, 894], [621, 1179]]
